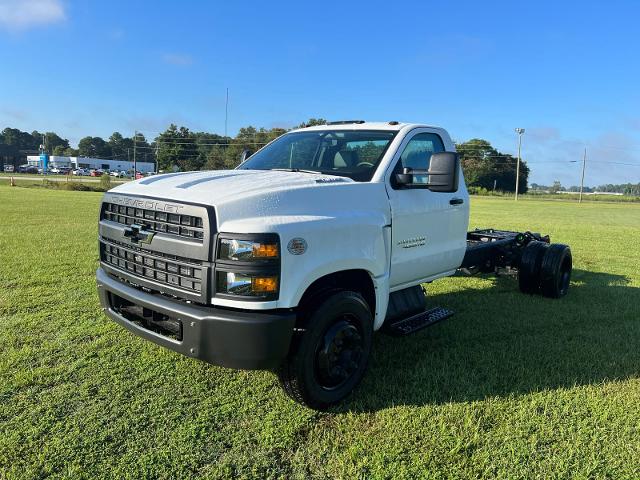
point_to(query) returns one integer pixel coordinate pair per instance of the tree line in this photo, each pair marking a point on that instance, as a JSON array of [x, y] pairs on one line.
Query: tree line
[[182, 149], [624, 188]]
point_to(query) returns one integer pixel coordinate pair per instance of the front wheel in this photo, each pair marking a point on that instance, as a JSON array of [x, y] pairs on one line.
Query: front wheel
[[329, 358]]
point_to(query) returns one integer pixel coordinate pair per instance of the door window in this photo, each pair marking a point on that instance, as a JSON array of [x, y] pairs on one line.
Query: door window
[[417, 154]]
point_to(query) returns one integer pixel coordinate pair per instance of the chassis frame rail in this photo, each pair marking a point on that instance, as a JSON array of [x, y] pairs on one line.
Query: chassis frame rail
[[489, 249]]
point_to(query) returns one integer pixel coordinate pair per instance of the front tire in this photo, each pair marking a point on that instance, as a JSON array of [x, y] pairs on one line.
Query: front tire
[[330, 356]]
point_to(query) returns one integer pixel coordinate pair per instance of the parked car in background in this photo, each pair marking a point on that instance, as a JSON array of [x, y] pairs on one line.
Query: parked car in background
[[96, 173], [81, 172], [120, 174], [27, 169], [139, 175]]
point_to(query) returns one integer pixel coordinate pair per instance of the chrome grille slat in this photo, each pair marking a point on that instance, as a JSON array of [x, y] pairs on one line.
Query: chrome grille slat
[[181, 225], [170, 270]]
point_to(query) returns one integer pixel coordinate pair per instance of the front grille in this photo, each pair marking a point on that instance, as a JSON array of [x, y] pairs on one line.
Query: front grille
[[187, 226], [171, 270]]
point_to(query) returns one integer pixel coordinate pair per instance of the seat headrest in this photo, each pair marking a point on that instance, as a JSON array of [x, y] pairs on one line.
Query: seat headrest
[[345, 158]]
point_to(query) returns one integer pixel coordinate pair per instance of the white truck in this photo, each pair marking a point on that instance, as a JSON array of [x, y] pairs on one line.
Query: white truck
[[291, 261]]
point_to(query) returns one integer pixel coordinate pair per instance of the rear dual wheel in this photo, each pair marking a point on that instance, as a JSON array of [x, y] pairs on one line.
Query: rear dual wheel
[[545, 269], [555, 272]]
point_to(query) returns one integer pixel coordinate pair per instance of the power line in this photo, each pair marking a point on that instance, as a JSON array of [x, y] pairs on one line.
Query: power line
[[194, 144]]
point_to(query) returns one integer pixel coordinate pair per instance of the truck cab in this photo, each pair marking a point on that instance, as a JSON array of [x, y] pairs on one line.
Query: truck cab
[[290, 261]]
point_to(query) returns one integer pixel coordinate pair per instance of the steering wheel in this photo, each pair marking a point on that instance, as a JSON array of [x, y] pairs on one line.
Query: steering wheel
[[365, 164]]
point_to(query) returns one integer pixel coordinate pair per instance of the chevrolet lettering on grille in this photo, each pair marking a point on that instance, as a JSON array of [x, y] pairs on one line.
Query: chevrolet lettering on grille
[[137, 234]]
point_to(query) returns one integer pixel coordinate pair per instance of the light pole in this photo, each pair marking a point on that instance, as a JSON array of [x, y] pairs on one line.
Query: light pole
[[584, 162], [519, 131]]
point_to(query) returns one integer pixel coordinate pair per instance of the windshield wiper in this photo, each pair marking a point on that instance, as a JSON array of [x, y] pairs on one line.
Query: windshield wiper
[[317, 172]]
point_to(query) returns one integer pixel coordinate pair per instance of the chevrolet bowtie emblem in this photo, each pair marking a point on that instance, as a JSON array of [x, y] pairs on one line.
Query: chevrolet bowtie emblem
[[138, 234]]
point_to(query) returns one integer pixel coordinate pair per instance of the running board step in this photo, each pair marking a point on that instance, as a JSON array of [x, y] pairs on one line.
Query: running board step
[[417, 322]]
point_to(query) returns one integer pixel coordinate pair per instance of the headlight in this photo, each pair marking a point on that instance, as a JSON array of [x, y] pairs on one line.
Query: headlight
[[248, 265], [241, 250], [247, 285]]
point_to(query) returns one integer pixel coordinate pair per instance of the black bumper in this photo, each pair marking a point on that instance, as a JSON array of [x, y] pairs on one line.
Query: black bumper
[[229, 338]]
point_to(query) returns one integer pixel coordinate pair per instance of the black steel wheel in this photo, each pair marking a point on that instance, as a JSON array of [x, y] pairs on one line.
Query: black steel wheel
[[330, 356], [530, 265], [555, 272]]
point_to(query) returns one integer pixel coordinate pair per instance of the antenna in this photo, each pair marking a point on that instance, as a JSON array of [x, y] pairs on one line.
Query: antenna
[[226, 113]]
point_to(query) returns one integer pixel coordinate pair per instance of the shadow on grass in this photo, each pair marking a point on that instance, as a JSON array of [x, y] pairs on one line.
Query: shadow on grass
[[501, 342]]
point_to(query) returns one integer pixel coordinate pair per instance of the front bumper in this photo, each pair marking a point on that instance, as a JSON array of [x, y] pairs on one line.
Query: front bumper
[[230, 338]]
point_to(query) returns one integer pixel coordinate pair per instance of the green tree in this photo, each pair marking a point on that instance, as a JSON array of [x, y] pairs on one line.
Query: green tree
[[94, 147], [312, 122], [53, 141], [59, 151], [20, 140], [71, 152], [122, 147], [177, 147], [217, 159], [556, 187], [251, 139], [483, 165]]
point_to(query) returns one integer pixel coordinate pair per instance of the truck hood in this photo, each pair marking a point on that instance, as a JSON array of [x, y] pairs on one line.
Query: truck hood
[[239, 195], [219, 186]]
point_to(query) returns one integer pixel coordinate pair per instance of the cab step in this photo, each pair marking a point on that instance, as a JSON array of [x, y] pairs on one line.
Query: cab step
[[417, 322]]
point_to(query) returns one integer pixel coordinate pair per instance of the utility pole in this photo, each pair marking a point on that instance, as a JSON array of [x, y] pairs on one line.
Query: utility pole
[[157, 148], [135, 167], [226, 113], [519, 131], [584, 162]]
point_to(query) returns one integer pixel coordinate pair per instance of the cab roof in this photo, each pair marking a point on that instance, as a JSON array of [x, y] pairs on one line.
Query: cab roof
[[362, 125]]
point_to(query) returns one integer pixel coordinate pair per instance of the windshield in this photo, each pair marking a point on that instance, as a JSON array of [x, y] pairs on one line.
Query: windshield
[[347, 153]]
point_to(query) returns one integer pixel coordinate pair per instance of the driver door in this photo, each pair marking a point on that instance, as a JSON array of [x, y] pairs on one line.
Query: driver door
[[428, 229]]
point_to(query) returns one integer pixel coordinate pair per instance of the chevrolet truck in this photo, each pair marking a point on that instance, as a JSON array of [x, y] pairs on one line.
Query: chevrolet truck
[[291, 261]]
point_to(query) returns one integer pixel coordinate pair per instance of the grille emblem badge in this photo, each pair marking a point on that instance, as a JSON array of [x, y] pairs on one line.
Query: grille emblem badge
[[137, 234]]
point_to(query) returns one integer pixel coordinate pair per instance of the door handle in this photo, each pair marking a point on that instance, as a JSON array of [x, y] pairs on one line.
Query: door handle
[[456, 201]]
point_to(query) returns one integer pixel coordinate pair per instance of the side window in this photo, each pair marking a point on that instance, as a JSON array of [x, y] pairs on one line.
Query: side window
[[417, 154]]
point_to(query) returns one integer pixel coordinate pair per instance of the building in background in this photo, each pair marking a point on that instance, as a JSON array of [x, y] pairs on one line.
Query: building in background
[[92, 163]]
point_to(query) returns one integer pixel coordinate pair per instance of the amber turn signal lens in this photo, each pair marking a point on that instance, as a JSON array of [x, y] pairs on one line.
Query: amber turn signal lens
[[264, 284], [265, 250]]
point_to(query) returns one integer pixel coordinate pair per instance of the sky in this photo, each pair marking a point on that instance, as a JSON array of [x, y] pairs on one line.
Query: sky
[[567, 72]]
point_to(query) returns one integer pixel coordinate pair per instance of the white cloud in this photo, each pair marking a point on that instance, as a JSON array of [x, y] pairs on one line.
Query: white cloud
[[18, 15], [177, 59]]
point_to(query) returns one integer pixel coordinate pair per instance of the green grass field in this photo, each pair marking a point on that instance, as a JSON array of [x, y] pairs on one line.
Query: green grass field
[[512, 386]]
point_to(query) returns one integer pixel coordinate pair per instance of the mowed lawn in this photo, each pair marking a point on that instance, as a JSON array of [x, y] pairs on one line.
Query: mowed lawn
[[512, 386]]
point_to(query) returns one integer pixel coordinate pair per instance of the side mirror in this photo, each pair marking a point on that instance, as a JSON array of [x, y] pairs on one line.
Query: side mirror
[[443, 174], [246, 153]]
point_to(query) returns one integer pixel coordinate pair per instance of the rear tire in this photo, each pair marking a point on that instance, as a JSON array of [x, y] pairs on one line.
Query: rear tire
[[530, 265], [555, 273], [329, 358]]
